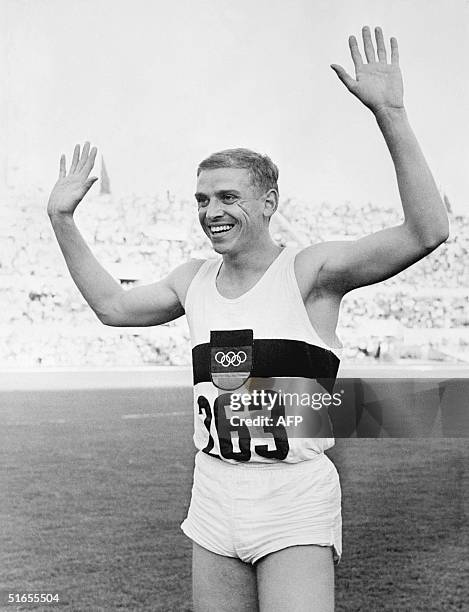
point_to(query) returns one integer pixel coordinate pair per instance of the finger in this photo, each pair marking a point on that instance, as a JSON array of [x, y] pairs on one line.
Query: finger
[[368, 45], [380, 46], [84, 156], [90, 162], [343, 75], [62, 169], [394, 51], [355, 51], [75, 158]]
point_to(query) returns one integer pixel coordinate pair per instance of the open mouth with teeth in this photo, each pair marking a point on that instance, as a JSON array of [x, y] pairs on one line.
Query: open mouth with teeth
[[217, 230]]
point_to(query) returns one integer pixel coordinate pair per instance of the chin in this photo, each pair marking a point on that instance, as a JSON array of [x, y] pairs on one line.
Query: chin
[[221, 249]]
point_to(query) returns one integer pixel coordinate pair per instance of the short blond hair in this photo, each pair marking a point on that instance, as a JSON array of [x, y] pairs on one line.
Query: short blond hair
[[262, 170]]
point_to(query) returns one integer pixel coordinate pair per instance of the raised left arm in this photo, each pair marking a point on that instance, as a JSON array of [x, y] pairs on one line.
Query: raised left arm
[[378, 256]]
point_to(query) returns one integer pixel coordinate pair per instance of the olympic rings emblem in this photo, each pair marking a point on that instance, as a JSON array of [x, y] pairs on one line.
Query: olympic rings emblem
[[231, 358]]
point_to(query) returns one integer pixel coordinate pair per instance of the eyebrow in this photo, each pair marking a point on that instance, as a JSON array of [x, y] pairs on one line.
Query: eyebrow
[[219, 193]]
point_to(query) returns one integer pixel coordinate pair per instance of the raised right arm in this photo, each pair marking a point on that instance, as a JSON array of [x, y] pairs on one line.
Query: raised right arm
[[151, 304]]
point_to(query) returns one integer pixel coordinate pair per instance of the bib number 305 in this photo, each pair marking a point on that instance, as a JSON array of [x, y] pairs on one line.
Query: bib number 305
[[226, 426]]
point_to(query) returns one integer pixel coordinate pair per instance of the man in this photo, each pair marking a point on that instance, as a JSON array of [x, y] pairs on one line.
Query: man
[[265, 508]]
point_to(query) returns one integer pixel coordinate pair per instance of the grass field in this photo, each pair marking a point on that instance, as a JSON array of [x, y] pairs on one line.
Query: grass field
[[95, 484]]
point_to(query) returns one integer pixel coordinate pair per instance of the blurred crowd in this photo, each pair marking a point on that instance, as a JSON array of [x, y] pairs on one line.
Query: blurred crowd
[[411, 310], [140, 239]]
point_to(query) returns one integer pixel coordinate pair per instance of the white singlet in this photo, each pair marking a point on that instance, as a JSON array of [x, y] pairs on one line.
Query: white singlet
[[258, 355]]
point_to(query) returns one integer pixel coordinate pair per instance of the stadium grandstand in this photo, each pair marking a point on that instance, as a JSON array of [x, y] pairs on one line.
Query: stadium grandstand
[[421, 315]]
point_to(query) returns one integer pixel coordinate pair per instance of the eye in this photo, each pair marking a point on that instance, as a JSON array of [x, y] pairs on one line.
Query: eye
[[202, 201], [229, 198]]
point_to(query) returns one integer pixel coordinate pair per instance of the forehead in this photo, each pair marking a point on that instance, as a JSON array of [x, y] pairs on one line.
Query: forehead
[[224, 179]]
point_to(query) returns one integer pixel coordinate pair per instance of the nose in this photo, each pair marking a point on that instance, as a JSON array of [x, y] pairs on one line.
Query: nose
[[214, 209]]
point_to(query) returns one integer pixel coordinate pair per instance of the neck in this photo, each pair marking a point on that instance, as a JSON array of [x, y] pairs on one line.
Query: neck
[[257, 258]]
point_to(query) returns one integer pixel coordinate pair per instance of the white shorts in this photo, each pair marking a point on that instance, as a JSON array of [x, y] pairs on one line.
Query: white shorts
[[249, 511]]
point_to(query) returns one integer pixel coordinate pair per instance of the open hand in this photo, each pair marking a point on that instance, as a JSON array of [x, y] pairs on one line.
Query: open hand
[[71, 188], [378, 84]]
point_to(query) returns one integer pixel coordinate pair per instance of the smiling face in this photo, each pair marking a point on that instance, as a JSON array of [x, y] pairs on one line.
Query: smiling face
[[232, 212]]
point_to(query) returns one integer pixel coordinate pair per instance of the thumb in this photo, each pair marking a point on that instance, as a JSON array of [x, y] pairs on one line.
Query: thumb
[[344, 76], [90, 182]]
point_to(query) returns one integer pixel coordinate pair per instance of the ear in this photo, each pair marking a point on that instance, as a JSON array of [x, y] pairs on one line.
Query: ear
[[270, 203]]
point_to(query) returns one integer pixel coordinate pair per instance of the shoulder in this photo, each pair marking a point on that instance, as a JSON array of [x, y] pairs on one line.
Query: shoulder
[[186, 271], [182, 276], [311, 268]]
